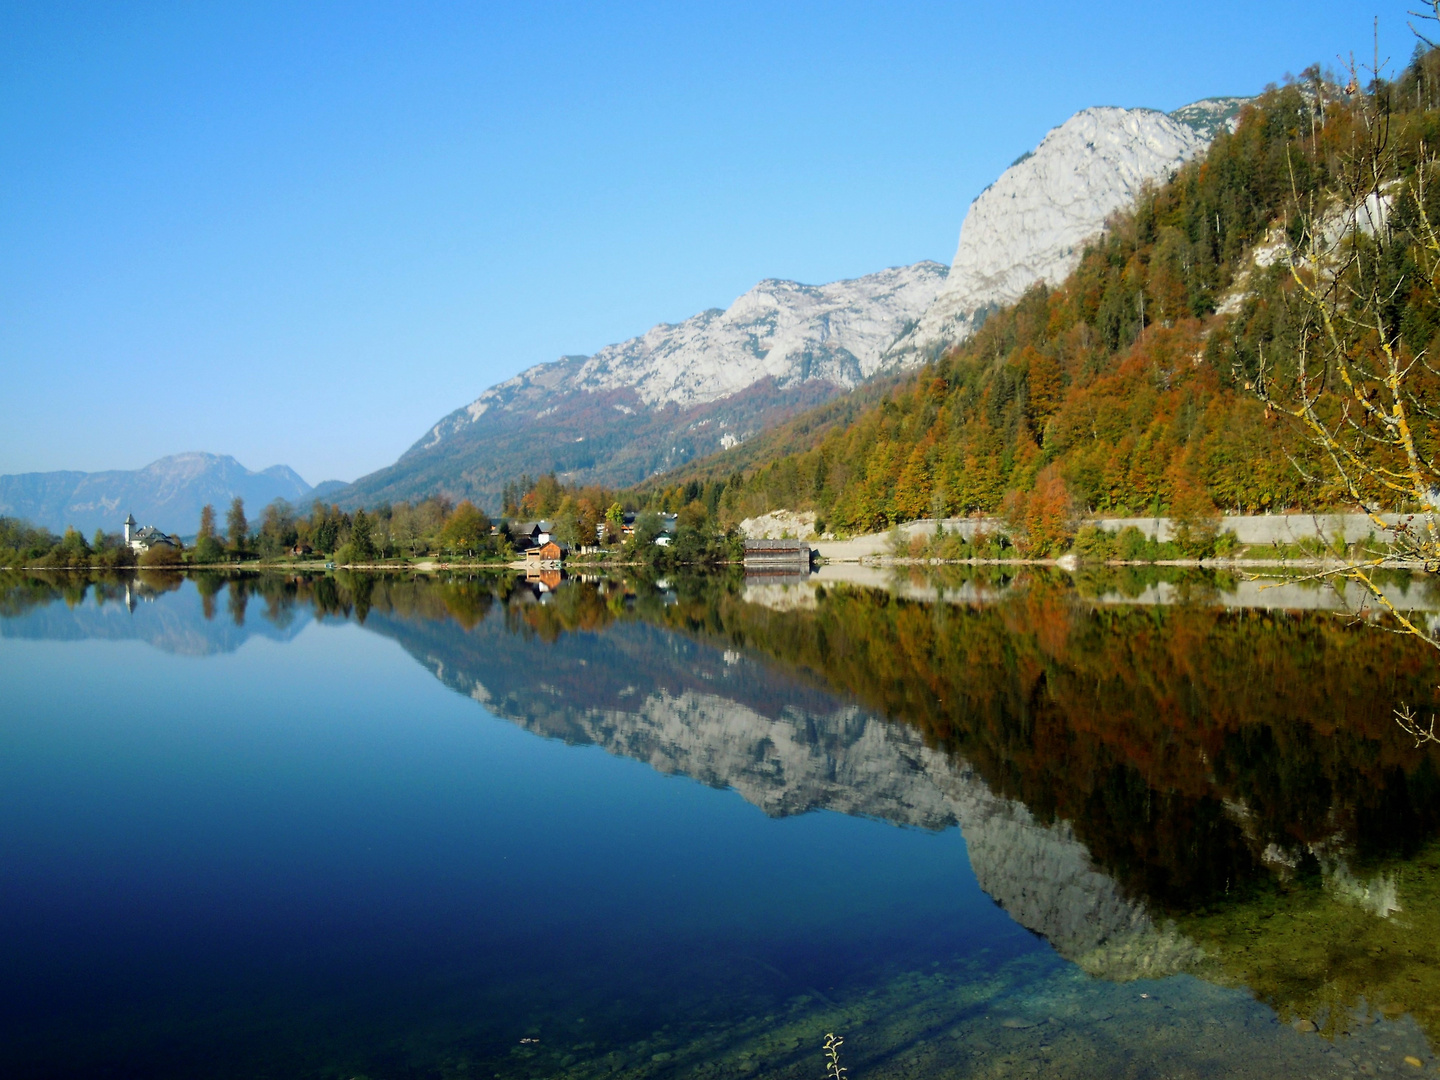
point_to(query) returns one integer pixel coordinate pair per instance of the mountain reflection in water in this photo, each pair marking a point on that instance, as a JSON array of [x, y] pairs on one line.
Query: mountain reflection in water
[[1153, 788]]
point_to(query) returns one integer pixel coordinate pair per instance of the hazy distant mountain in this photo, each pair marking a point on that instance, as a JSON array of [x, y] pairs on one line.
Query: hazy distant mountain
[[166, 615], [167, 493], [326, 488], [687, 390]]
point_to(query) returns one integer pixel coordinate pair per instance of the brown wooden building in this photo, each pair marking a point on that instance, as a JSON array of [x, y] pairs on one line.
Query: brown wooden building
[[550, 551]]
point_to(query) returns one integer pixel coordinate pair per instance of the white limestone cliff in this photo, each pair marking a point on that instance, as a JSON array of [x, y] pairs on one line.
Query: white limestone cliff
[[1032, 223], [784, 346], [1028, 226], [779, 329]]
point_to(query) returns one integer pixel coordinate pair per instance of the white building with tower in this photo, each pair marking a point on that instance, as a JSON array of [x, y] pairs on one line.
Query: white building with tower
[[142, 540]]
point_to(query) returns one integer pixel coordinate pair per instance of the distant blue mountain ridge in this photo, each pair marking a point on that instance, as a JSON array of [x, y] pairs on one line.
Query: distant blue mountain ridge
[[167, 493]]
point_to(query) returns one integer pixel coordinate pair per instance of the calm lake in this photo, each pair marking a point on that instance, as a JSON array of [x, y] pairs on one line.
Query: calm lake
[[1125, 825]]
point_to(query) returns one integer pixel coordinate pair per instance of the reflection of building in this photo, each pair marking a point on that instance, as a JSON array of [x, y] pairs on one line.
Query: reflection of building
[[539, 583], [550, 579], [142, 540]]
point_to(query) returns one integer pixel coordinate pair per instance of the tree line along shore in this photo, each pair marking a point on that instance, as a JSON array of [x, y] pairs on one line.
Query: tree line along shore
[[436, 534]]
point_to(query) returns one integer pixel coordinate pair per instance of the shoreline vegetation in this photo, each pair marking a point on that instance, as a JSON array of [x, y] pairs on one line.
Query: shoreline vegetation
[[582, 564], [439, 537], [462, 537]]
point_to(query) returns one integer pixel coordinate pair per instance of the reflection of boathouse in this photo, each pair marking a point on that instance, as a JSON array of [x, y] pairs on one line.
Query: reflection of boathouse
[[547, 579], [540, 582]]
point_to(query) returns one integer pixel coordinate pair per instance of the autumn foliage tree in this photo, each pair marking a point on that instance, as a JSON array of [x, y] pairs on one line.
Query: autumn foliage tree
[[208, 548], [466, 530], [236, 526], [1193, 513], [1043, 519]]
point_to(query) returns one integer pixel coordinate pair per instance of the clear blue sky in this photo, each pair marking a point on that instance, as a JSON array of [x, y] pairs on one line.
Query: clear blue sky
[[301, 233]]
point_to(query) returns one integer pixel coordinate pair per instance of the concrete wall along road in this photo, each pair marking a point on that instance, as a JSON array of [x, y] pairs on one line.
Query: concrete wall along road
[[1248, 529]]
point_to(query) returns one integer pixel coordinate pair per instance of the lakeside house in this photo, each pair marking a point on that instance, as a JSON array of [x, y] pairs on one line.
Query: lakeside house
[[528, 536], [669, 523], [525, 535], [551, 551], [144, 539], [626, 528]]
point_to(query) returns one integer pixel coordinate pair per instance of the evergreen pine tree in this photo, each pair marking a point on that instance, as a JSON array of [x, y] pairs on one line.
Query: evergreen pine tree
[[362, 540]]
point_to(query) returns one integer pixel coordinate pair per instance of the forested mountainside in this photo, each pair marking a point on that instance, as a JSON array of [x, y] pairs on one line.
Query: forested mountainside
[[1122, 390], [686, 390]]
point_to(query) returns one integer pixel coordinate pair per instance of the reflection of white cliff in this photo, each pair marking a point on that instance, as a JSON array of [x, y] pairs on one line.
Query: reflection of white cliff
[[1042, 875], [850, 761], [1378, 894]]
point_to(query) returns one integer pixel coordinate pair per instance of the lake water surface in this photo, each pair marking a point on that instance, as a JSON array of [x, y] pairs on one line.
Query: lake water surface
[[354, 826]]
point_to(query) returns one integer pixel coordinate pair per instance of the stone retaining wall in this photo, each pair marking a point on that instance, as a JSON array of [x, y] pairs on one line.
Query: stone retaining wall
[[1248, 529]]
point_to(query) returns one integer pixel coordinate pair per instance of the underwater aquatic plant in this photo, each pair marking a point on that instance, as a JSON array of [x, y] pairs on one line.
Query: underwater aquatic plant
[[833, 1069]]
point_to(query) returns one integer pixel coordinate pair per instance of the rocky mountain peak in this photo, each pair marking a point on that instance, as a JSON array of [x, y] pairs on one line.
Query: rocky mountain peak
[[1032, 223], [1209, 116], [778, 329], [684, 390]]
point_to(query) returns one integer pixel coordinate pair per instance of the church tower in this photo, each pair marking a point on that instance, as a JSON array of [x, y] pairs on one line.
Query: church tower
[[129, 524]]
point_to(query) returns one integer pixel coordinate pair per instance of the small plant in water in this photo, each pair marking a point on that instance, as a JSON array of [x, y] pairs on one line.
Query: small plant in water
[[833, 1069]]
